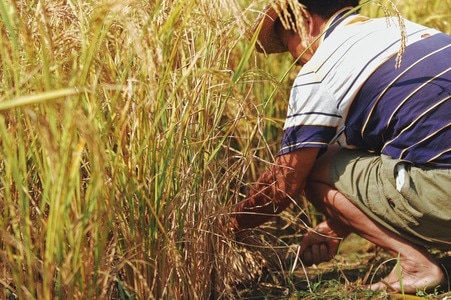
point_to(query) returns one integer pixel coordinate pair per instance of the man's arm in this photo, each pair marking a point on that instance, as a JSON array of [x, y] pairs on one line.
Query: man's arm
[[275, 189]]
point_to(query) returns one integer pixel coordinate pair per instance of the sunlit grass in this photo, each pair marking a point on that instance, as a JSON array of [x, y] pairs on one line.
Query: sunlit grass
[[127, 130], [432, 13]]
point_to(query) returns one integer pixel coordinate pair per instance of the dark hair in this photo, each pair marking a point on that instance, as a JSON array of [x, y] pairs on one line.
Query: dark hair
[[326, 8]]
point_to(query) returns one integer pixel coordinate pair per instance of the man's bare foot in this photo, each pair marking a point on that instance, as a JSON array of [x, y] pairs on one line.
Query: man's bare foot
[[417, 275]]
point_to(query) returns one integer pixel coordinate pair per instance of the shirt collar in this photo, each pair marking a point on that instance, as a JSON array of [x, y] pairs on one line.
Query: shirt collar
[[336, 19]]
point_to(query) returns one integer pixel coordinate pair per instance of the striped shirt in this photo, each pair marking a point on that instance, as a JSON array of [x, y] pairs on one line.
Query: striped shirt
[[352, 92]]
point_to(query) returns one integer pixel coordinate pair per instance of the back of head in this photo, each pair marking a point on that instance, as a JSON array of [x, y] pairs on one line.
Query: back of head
[[326, 8]]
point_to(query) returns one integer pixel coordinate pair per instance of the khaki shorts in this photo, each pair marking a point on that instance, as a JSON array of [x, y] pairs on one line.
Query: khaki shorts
[[419, 208]]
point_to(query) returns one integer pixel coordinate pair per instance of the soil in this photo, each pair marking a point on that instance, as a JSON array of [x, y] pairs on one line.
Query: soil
[[358, 263]]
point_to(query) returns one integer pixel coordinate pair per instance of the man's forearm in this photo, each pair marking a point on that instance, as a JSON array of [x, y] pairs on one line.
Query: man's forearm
[[264, 202], [275, 190]]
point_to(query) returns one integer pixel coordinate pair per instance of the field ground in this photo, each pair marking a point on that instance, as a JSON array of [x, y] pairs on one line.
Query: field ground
[[358, 263]]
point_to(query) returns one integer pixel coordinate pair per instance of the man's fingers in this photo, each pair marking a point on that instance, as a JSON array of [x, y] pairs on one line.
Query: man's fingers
[[309, 240], [318, 245], [307, 258], [324, 252], [316, 254]]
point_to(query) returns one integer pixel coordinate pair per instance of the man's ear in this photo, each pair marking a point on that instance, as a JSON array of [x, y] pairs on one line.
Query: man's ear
[[314, 24]]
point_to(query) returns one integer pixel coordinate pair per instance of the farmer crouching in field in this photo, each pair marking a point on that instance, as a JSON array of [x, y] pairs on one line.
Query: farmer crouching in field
[[369, 143]]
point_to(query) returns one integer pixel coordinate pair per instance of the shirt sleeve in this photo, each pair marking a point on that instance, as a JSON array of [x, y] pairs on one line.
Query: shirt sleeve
[[312, 115]]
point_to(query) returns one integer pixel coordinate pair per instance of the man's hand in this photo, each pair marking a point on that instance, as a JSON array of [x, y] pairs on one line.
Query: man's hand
[[275, 190], [320, 244]]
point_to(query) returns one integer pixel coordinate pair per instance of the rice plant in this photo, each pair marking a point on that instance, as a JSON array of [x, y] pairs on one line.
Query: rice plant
[[127, 130]]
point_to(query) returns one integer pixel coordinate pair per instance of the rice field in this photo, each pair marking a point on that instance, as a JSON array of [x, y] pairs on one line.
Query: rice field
[[127, 131]]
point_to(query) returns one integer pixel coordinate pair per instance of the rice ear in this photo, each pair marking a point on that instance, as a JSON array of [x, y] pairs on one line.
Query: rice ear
[[400, 23], [292, 15]]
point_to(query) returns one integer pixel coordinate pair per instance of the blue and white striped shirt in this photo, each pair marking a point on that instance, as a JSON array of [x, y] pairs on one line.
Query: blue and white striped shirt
[[352, 92]]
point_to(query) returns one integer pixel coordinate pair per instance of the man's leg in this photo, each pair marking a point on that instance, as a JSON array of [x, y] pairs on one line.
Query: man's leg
[[419, 270]]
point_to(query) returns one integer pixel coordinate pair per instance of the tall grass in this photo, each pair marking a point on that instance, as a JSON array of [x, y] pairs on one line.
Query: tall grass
[[127, 130], [115, 120], [432, 13]]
